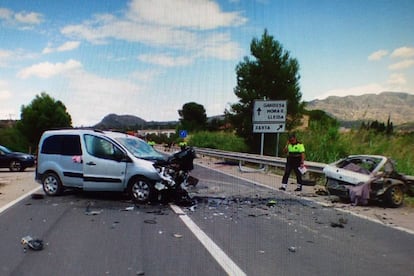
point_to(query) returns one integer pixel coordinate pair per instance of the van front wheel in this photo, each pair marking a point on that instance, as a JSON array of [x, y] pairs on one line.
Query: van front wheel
[[52, 185], [141, 190]]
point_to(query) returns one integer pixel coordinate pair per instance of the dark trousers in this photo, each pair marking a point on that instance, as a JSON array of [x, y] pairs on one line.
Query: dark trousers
[[292, 163]]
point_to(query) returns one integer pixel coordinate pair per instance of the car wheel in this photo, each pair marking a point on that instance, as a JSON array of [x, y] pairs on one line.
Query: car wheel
[[52, 185], [141, 190], [16, 166], [394, 196]]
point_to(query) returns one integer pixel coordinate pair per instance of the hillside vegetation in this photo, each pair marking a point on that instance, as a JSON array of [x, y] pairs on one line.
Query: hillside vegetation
[[368, 107]]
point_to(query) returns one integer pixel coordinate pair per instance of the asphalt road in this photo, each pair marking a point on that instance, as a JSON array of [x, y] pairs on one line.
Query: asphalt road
[[235, 228]]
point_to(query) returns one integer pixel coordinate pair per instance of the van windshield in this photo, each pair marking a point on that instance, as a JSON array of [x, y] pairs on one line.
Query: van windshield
[[139, 148]]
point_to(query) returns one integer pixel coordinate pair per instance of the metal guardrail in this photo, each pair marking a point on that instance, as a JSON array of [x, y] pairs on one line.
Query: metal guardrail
[[263, 160]]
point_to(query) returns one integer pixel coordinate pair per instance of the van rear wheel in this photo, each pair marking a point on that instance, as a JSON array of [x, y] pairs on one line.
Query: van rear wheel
[[52, 185], [141, 190]]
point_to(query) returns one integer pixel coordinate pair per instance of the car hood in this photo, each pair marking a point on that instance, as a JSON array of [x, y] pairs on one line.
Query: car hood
[[21, 155]]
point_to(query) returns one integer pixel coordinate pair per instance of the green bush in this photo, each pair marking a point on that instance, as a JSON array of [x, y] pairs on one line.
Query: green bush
[[218, 140]]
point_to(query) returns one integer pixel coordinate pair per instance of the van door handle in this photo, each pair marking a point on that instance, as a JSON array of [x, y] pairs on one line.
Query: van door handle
[[90, 163]]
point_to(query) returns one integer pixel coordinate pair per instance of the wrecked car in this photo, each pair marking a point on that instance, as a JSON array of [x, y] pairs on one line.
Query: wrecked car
[[361, 178], [95, 160]]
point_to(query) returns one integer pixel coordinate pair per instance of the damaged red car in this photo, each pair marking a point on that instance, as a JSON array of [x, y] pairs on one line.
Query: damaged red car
[[364, 178]]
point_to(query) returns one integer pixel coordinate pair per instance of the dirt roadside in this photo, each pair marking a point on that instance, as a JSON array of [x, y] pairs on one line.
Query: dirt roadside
[[15, 185]]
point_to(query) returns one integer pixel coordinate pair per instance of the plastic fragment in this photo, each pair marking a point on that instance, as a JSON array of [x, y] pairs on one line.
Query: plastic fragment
[[34, 244], [93, 213], [271, 202]]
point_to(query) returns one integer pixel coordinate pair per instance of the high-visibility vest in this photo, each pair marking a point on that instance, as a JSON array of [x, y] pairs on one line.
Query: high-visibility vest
[[296, 148]]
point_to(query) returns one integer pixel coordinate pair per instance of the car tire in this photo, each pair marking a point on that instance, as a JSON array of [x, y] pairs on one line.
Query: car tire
[[16, 166], [394, 196], [52, 185], [141, 190]]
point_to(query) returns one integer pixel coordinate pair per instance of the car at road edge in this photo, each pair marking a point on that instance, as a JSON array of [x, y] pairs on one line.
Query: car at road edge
[[15, 161], [360, 178]]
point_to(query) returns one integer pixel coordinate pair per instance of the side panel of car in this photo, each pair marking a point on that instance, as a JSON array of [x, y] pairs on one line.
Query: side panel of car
[[104, 165]]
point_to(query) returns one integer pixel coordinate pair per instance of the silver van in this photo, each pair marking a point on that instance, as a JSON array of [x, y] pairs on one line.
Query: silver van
[[95, 160]]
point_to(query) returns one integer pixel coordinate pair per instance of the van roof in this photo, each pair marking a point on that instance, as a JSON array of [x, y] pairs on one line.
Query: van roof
[[71, 131]]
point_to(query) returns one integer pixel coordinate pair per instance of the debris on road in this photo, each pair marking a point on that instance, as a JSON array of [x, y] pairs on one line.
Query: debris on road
[[38, 196], [31, 243], [271, 203], [93, 212], [90, 212], [292, 249]]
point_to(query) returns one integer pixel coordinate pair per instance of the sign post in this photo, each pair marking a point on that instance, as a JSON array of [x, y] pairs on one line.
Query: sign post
[[269, 117]]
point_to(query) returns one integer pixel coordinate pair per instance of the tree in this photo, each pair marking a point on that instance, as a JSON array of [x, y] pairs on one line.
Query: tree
[[272, 75], [193, 117], [41, 114]]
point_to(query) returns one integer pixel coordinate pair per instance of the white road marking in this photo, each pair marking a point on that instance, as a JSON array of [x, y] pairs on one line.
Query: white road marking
[[225, 262], [11, 203]]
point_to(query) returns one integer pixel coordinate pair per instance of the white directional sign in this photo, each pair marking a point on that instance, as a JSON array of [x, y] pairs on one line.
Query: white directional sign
[[269, 116], [269, 111], [269, 127]]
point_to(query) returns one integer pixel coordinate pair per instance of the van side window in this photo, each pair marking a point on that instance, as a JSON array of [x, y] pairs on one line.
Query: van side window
[[101, 148], [62, 144]]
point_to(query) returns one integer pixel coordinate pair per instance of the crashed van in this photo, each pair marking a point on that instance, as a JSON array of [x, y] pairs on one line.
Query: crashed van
[[94, 160], [361, 178]]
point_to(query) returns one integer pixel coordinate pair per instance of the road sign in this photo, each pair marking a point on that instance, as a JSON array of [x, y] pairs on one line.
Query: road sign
[[269, 111], [183, 133], [269, 127]]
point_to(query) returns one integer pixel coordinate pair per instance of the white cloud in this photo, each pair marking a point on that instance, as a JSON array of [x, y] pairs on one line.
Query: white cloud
[[194, 14], [403, 52], [397, 81], [46, 69], [67, 46], [372, 88], [402, 64], [7, 111], [377, 55], [21, 18], [146, 76], [5, 56], [31, 18], [165, 60], [152, 23], [5, 94], [220, 46], [5, 14]]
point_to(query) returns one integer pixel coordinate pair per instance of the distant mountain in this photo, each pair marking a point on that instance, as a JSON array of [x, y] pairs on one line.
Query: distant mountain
[[114, 121], [399, 107]]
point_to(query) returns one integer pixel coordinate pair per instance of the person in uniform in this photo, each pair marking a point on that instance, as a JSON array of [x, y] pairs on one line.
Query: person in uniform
[[295, 159]]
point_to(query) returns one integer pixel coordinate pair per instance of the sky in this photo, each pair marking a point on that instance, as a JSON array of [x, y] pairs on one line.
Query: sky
[[148, 58]]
